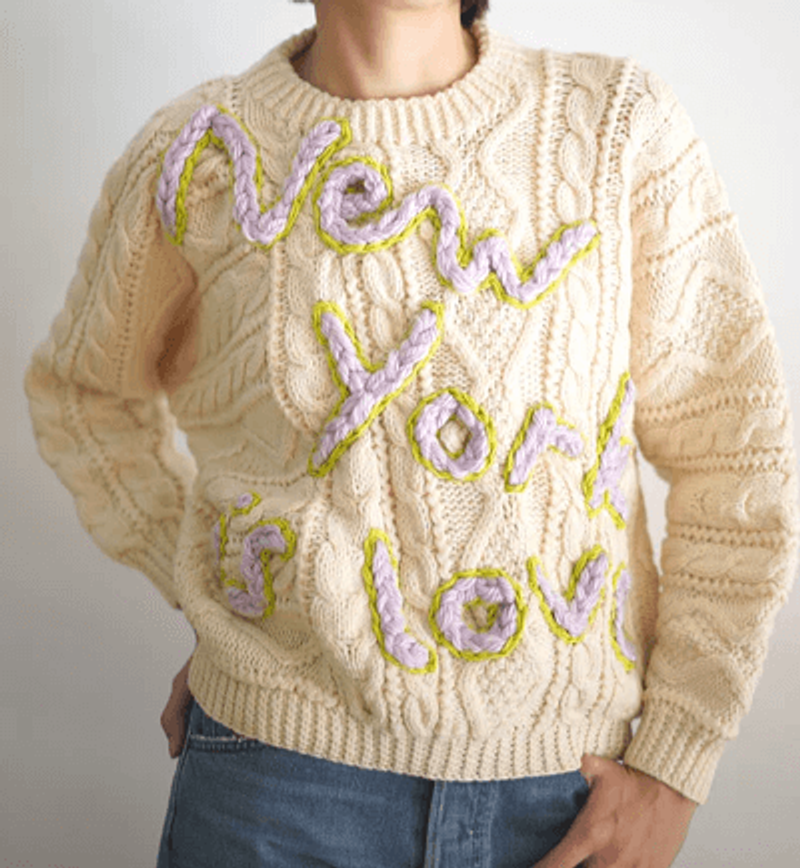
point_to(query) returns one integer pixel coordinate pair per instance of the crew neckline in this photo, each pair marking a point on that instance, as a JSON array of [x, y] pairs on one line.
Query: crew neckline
[[465, 104]]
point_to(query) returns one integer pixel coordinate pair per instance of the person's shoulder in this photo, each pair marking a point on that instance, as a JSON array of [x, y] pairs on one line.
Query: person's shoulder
[[593, 68], [167, 122], [582, 68], [141, 160]]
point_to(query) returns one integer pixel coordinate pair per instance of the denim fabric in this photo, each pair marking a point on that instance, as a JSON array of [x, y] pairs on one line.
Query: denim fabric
[[239, 803]]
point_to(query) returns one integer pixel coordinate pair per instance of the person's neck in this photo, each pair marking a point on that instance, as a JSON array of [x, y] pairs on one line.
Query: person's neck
[[363, 50]]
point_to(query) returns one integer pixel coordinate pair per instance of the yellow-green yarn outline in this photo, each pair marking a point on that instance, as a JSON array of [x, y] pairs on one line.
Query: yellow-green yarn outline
[[454, 455], [223, 538], [317, 177], [626, 661], [339, 246], [511, 643], [374, 535], [464, 254], [492, 611], [554, 626], [520, 439], [181, 214], [291, 543], [604, 435], [331, 307], [479, 412]]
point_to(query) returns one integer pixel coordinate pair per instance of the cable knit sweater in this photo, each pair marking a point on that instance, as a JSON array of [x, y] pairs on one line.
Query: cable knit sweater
[[417, 347]]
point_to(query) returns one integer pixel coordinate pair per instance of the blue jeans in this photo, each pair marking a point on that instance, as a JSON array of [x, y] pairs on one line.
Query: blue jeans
[[239, 803]]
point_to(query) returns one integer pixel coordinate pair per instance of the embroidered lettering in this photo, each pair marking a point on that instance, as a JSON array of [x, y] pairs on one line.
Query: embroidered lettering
[[622, 645], [254, 595], [489, 263], [601, 484], [430, 416], [350, 190], [569, 616], [542, 429], [216, 124], [456, 606], [366, 389], [380, 574]]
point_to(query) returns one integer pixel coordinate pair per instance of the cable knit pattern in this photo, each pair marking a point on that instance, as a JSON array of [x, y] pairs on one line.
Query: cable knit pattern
[[412, 534]]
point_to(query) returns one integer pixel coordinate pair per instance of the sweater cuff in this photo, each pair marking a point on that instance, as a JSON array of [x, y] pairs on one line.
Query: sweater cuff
[[673, 746]]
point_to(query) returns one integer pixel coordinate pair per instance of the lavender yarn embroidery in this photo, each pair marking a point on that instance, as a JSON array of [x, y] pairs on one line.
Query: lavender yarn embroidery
[[245, 504], [488, 263], [216, 124], [432, 413], [570, 615], [351, 190], [623, 647], [365, 390], [380, 573], [502, 596], [255, 595], [269, 537], [542, 429], [601, 484]]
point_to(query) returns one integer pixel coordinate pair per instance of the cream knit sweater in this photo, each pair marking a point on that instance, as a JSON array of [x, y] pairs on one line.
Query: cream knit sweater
[[416, 346]]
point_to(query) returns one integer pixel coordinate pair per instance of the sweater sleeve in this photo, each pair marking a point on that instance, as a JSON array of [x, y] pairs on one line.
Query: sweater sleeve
[[712, 416], [97, 386]]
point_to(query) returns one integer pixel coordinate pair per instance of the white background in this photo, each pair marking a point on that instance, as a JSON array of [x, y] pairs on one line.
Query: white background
[[88, 648]]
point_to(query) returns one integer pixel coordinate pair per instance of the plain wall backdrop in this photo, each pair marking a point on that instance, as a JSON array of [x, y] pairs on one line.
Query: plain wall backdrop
[[88, 647]]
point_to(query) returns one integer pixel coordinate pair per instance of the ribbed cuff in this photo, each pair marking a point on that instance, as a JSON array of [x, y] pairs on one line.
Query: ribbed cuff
[[674, 747]]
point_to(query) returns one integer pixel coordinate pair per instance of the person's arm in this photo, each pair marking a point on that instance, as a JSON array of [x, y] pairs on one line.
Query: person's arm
[[712, 415], [96, 385]]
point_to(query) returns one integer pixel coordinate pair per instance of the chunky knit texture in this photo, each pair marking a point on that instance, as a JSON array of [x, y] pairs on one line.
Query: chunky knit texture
[[413, 537]]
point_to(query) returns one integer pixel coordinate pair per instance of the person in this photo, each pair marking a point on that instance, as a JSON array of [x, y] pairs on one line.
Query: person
[[419, 296]]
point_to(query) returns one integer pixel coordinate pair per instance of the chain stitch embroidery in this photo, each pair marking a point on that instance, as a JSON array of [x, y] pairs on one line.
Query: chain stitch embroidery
[[622, 645], [542, 429], [569, 616], [336, 204], [366, 389], [431, 414], [488, 264], [380, 573], [601, 483], [483, 586], [261, 225], [272, 536]]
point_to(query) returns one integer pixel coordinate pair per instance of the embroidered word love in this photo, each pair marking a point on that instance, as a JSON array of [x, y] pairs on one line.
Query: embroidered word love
[[476, 615]]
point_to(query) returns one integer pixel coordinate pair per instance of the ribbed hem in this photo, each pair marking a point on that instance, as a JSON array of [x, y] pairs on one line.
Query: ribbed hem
[[467, 104], [287, 720], [672, 746]]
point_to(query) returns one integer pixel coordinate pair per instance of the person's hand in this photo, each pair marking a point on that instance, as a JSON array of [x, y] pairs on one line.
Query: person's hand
[[173, 717], [630, 820]]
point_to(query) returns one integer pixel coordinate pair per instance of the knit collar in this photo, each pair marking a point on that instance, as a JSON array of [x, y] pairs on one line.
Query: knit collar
[[273, 86]]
